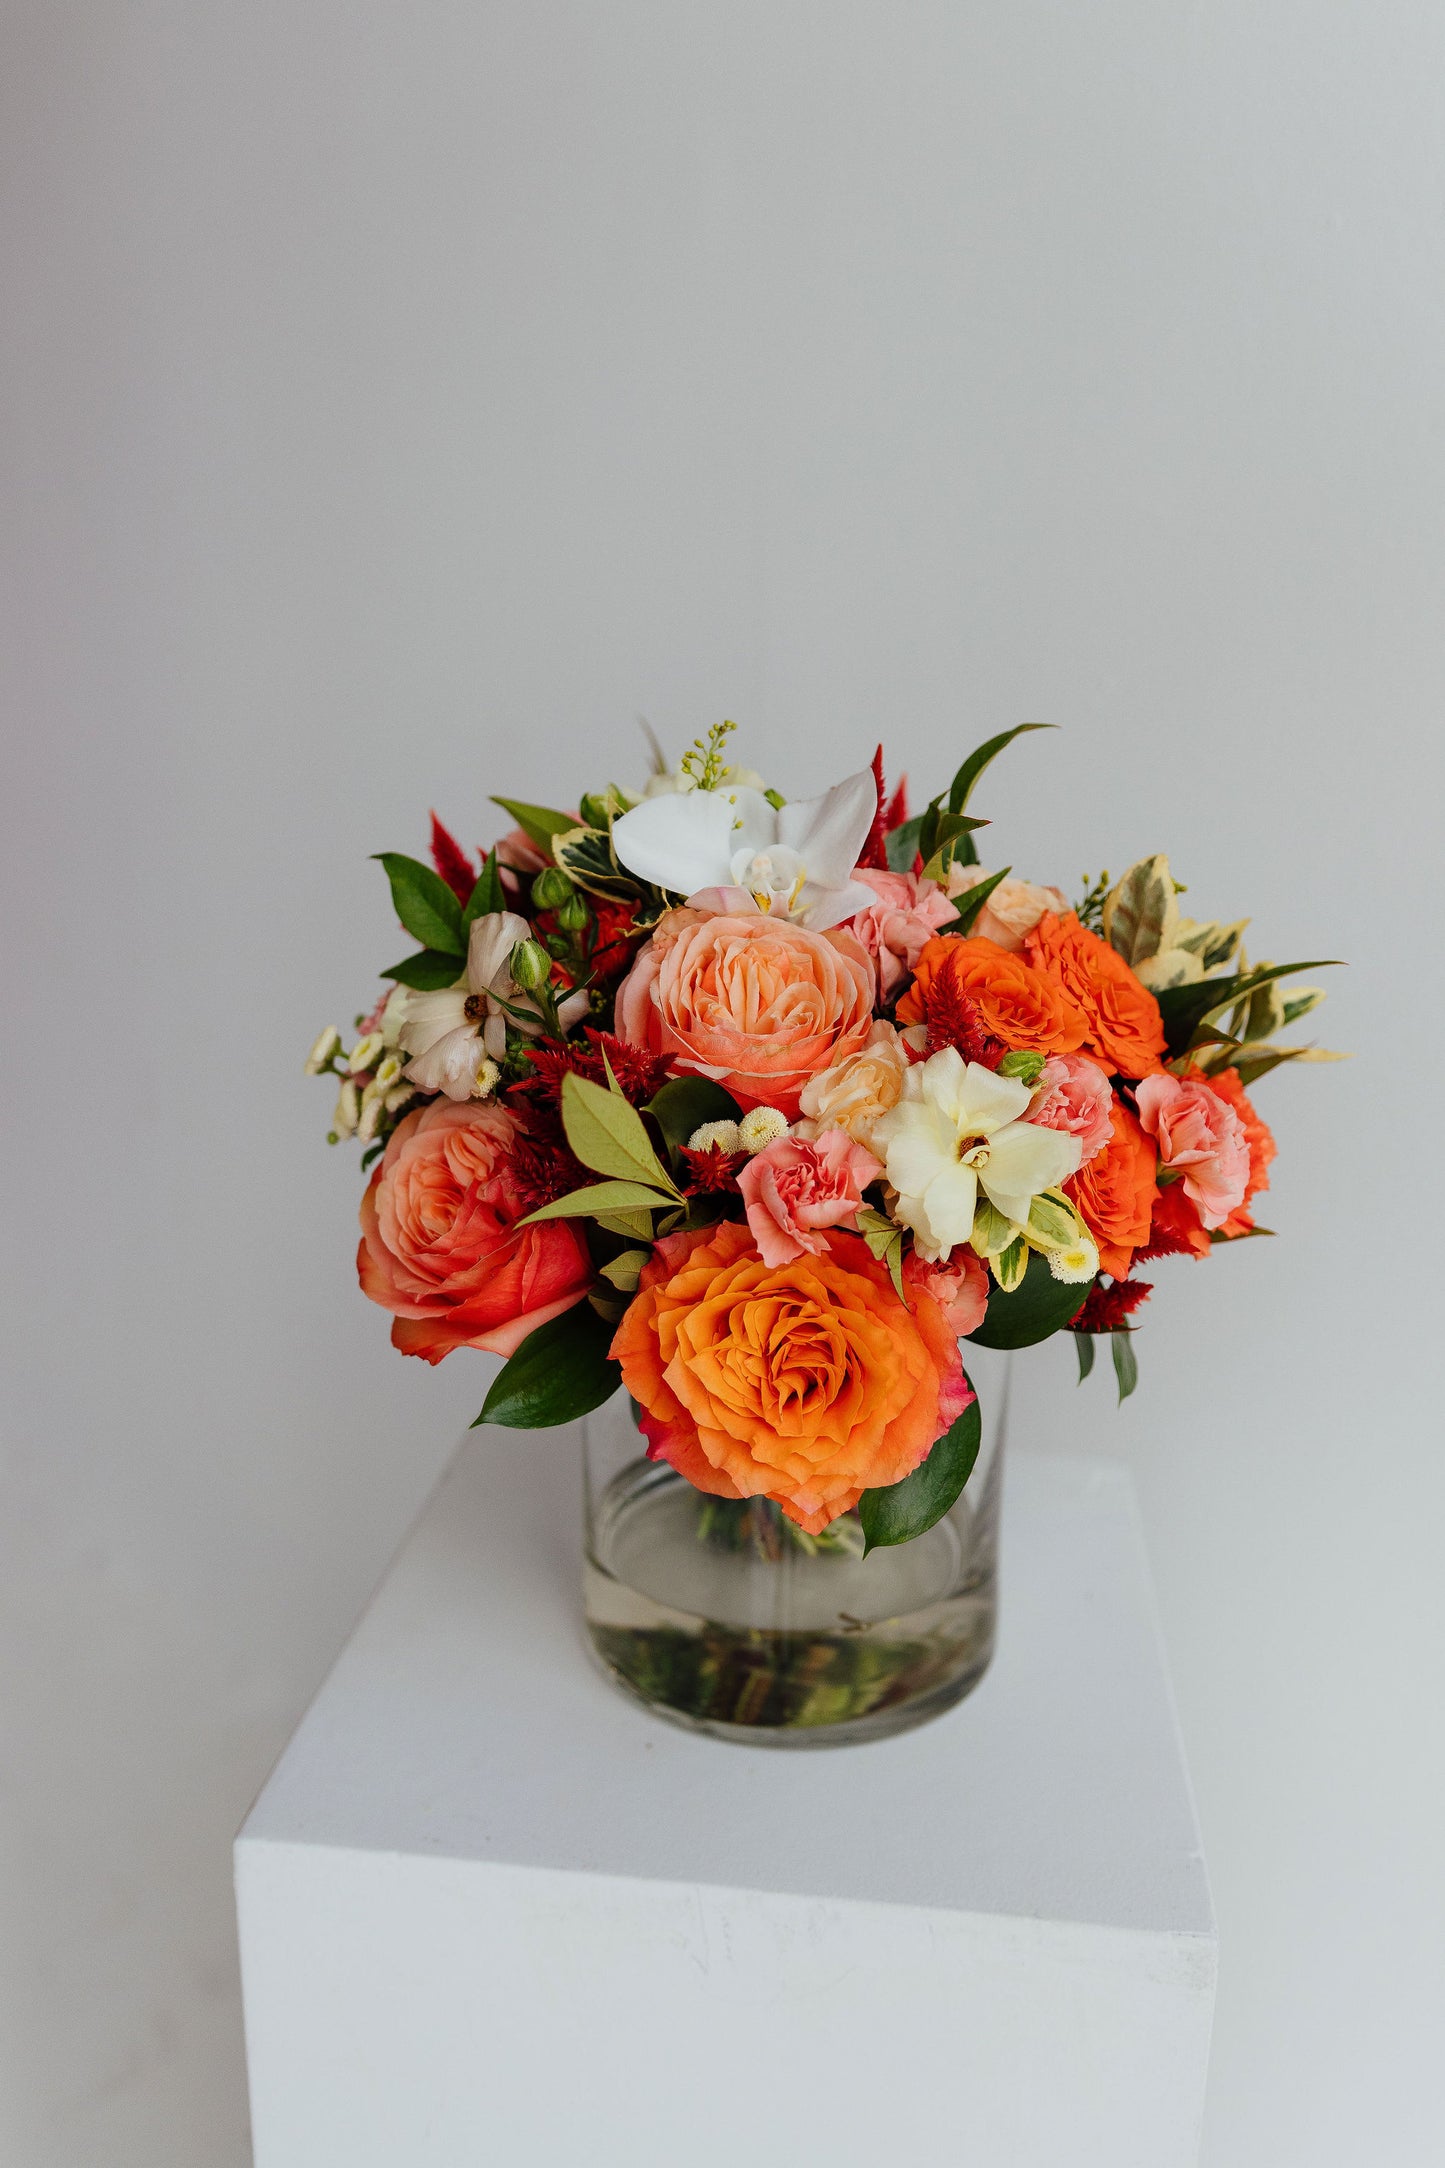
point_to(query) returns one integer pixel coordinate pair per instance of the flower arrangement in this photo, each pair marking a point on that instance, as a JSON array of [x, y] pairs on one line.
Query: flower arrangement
[[760, 1108]]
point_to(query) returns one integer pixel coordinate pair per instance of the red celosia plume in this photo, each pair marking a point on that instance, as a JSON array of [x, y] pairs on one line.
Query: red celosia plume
[[875, 851], [953, 1019], [451, 861], [1106, 1308]]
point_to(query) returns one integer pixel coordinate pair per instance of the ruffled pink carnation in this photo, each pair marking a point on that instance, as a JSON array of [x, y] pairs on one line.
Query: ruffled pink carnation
[[1073, 1094], [958, 1283], [793, 1189], [894, 929], [1201, 1138]]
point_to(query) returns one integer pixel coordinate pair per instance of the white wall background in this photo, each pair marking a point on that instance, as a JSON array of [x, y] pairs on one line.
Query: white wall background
[[396, 402]]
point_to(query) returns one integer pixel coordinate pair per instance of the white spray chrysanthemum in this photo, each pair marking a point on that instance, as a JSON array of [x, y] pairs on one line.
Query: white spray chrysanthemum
[[1077, 1261], [327, 1047], [716, 1137], [761, 1127]]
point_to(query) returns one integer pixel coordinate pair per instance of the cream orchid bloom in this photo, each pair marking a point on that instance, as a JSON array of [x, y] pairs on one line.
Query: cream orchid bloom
[[456, 1037], [731, 850], [956, 1131]]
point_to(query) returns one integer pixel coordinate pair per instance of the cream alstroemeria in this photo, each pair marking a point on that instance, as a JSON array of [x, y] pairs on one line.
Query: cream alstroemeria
[[731, 850], [457, 1035], [956, 1131]]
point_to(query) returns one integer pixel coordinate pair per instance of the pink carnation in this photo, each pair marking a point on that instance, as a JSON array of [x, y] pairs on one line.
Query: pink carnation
[[1073, 1094], [909, 911], [958, 1283], [1201, 1137], [794, 1189]]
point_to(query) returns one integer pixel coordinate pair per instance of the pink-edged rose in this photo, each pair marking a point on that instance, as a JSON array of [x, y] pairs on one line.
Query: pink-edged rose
[[1201, 1138], [796, 1188], [958, 1283], [440, 1245], [909, 910], [1073, 1094]]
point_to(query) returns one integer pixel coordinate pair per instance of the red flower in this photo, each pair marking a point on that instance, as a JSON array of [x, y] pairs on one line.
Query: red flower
[[875, 851], [638, 1072], [953, 1019], [1105, 1308], [451, 861], [1176, 1229], [713, 1170]]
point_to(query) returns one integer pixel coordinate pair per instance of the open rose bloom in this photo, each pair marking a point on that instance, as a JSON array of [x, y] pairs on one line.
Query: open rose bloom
[[755, 1116]]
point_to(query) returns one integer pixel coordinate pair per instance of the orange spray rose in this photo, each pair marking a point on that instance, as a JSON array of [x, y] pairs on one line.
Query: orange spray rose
[[1124, 1027], [1115, 1192], [1016, 1003], [807, 1383]]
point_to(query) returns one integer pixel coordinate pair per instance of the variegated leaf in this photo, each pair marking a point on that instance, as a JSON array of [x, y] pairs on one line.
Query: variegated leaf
[[1140, 912]]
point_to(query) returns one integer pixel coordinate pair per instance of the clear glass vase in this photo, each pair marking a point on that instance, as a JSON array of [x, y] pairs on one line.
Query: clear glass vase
[[724, 1617]]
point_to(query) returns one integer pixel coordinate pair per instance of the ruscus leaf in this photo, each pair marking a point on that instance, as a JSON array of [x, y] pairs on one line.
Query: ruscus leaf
[[559, 1372]]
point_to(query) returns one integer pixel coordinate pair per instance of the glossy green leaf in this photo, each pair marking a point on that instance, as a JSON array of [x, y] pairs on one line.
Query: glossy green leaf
[[424, 904], [902, 844], [1011, 1264], [488, 895], [684, 1103], [901, 1511], [428, 971], [1126, 1367], [608, 1135], [1084, 1348], [961, 789], [558, 1373], [600, 1197], [1185, 1008], [1039, 1306], [972, 901], [537, 822]]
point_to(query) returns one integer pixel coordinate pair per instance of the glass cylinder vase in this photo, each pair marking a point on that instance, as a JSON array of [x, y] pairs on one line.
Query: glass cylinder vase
[[723, 1616]]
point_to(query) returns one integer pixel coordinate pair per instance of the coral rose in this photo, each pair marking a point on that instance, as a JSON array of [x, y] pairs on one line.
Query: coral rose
[[958, 1283], [1261, 1148], [758, 1003], [1012, 910], [857, 1093], [1115, 1193], [1023, 1007], [1073, 1094], [440, 1247], [807, 1383], [795, 1188], [1124, 1027], [909, 911], [1200, 1138]]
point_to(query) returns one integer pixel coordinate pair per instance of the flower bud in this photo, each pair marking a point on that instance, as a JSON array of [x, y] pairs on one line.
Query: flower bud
[[327, 1047], [364, 1053], [387, 1073], [373, 1114], [716, 1137], [551, 888], [348, 1110], [530, 966], [762, 1127], [572, 913], [1026, 1067], [398, 1096]]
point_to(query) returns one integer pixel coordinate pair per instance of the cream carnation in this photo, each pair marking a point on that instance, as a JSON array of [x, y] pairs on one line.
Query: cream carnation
[[1012, 911], [858, 1091]]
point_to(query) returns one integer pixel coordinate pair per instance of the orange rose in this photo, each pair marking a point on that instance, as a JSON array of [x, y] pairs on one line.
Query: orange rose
[[1124, 1027], [758, 1003], [1015, 1003], [1261, 1148], [1115, 1192], [440, 1247], [807, 1383]]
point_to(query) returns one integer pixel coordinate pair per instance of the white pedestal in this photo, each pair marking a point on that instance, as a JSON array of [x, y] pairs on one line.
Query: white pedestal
[[492, 1914]]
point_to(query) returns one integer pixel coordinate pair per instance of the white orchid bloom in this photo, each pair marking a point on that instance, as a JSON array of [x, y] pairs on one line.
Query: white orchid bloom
[[731, 850], [456, 1036], [956, 1131]]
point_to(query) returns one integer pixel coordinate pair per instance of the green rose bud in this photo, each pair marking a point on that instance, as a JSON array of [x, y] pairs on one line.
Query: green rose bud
[[551, 888], [573, 914], [531, 966], [594, 809], [1026, 1067]]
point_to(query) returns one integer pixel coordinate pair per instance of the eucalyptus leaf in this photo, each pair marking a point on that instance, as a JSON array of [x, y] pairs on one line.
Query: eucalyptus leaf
[[424, 904], [1126, 1367], [428, 971], [1039, 1306], [607, 1134], [537, 822], [900, 1511], [559, 1372]]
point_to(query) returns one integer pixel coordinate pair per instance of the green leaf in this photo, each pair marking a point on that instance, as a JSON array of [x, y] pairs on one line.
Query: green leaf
[[487, 896], [587, 857], [902, 844], [424, 904], [1040, 1306], [558, 1373], [951, 843], [607, 1134], [1011, 1264], [1140, 913], [972, 901], [537, 822], [961, 789], [992, 1231], [884, 1238], [1052, 1220], [1217, 1234], [428, 971], [901, 1511], [1084, 1346], [1185, 1008], [1126, 1368], [684, 1103], [625, 1270], [600, 1197]]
